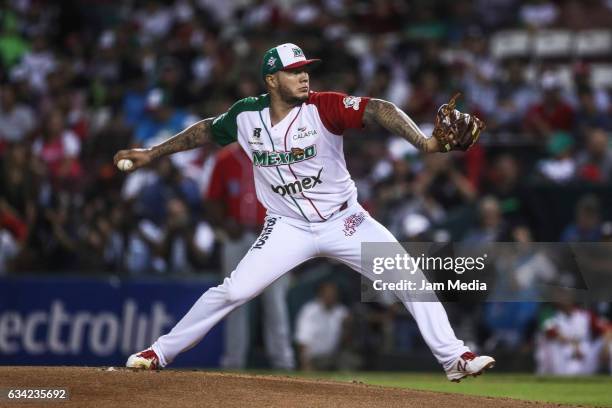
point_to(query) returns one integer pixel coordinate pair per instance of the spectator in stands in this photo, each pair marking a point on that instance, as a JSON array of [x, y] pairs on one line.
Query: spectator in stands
[[552, 113], [13, 234], [570, 341], [9, 249], [164, 184], [595, 161], [515, 96], [480, 74], [17, 120], [58, 148], [587, 224], [13, 45], [589, 117], [134, 101], [504, 183], [444, 182], [162, 121], [423, 100], [560, 166], [186, 242], [584, 82], [18, 183], [174, 84], [492, 226], [36, 64], [179, 245], [320, 327]]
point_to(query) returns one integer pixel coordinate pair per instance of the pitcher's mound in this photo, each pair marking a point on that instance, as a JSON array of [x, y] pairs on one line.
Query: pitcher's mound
[[101, 388]]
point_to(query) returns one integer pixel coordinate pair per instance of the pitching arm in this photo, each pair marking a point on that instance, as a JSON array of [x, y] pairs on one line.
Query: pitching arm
[[190, 138]]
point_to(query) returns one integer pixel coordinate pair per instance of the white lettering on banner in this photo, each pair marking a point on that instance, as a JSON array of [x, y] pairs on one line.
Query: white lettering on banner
[[10, 325], [29, 333], [98, 344], [60, 332], [129, 312], [58, 318], [78, 330]]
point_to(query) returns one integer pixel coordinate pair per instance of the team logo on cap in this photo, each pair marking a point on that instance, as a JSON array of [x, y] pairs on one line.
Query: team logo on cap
[[297, 52], [271, 61]]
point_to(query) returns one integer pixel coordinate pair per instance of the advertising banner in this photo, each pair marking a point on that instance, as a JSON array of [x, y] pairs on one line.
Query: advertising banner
[[91, 321]]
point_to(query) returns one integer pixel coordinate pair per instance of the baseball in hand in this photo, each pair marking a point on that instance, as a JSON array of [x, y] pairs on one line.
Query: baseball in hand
[[124, 164]]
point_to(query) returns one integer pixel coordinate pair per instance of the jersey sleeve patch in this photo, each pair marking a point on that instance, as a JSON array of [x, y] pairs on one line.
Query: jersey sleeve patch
[[339, 111]]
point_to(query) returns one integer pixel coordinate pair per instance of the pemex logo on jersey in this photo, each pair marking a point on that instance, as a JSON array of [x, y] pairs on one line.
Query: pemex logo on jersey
[[298, 185], [265, 158]]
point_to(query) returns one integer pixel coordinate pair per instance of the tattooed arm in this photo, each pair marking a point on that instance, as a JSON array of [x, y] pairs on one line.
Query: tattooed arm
[[193, 136], [389, 116]]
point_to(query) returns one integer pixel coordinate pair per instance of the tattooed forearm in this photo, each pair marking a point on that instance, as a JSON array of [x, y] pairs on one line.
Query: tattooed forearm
[[389, 116], [194, 136]]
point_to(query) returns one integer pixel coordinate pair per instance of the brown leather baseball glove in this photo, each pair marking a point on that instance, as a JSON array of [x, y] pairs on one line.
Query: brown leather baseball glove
[[455, 130]]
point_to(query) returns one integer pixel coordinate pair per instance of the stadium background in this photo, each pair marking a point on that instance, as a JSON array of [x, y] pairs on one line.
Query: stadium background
[[83, 79]]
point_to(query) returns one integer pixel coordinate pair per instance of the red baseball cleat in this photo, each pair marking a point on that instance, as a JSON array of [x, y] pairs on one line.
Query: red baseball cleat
[[145, 360], [469, 364]]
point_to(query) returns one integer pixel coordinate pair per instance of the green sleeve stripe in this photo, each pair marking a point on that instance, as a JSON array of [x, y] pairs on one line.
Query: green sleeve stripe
[[225, 126]]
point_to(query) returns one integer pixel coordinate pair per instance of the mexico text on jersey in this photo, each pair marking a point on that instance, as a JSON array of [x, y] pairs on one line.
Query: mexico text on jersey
[[299, 163]]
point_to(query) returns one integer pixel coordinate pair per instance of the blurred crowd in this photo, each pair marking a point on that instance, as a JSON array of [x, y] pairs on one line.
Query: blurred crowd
[[80, 80]]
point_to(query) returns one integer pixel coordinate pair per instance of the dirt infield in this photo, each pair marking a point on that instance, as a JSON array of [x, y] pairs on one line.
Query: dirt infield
[[100, 388]]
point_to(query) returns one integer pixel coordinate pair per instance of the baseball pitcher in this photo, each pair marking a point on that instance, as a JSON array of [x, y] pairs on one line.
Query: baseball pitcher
[[293, 137]]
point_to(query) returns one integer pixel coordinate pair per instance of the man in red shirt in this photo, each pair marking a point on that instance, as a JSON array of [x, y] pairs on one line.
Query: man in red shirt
[[237, 212], [552, 112]]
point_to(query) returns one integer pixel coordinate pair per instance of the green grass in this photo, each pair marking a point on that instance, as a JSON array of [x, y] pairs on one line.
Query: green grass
[[595, 390]]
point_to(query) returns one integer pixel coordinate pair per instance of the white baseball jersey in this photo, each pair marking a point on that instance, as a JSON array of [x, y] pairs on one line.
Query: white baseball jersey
[[299, 164]]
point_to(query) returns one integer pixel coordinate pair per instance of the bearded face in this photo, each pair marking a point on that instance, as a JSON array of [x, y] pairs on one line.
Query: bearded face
[[293, 85]]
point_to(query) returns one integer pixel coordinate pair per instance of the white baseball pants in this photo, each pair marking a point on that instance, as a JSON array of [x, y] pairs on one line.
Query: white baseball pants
[[284, 244]]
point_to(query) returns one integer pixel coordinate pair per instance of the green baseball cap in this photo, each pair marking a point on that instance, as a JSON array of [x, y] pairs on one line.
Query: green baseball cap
[[283, 57]]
